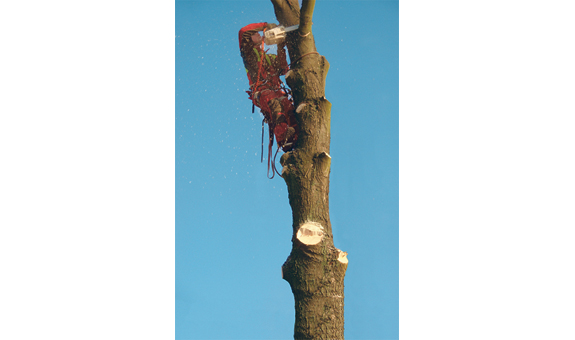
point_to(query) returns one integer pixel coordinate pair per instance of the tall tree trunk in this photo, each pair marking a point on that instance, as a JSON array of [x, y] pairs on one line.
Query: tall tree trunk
[[315, 269]]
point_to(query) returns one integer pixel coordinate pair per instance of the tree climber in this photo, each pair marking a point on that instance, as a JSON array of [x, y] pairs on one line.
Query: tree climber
[[267, 90]]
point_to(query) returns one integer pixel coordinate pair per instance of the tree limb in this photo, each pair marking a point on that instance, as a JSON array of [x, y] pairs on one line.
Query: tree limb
[[306, 16], [287, 12]]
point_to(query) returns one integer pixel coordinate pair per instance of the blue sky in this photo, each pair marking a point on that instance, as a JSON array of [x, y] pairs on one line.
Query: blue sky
[[233, 224]]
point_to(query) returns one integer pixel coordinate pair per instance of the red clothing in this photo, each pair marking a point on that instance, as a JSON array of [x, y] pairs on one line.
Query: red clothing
[[272, 67], [266, 92]]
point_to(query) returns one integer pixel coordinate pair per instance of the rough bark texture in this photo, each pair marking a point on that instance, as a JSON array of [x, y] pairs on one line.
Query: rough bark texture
[[315, 272]]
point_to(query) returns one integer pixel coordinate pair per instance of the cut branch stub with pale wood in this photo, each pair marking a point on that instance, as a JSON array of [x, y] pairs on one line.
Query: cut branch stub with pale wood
[[315, 269]]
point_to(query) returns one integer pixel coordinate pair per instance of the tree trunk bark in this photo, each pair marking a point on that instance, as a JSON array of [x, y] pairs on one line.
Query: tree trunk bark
[[315, 269]]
